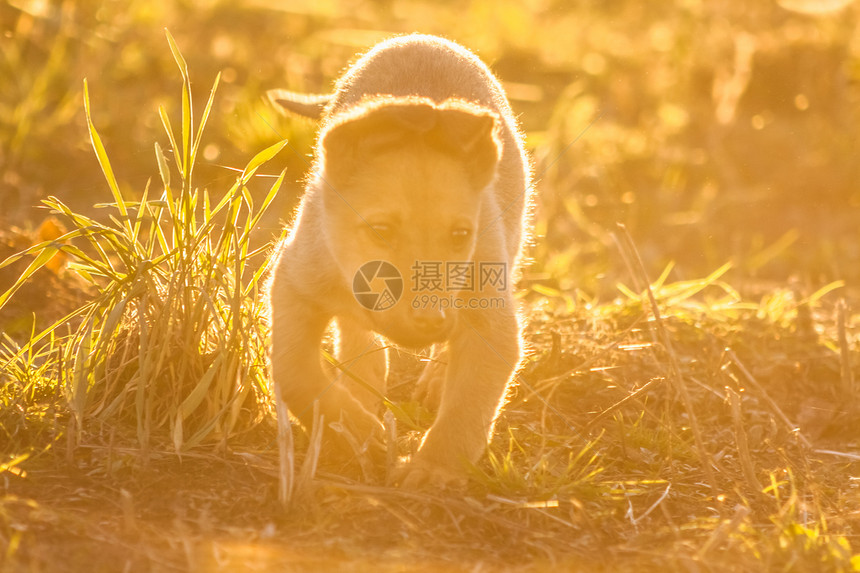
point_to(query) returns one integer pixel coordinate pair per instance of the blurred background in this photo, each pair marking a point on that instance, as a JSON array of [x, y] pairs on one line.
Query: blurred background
[[720, 130]]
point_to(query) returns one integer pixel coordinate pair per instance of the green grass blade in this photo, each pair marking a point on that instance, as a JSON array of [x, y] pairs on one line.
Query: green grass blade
[[830, 287], [34, 249], [628, 292], [259, 159], [264, 267], [205, 118], [168, 128], [41, 260], [144, 374], [51, 330], [226, 199], [201, 390], [207, 206], [80, 372], [187, 126], [177, 55], [254, 218], [101, 154], [90, 263], [187, 117], [163, 167], [141, 214], [692, 288], [661, 280]]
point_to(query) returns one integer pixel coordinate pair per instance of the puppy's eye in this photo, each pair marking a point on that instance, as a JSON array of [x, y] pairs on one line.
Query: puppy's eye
[[382, 233], [460, 236]]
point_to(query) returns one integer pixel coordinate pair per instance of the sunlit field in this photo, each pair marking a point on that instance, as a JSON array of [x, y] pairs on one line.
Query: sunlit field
[[689, 398]]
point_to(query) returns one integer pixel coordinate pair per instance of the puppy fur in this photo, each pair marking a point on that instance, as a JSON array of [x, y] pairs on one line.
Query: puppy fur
[[419, 158]]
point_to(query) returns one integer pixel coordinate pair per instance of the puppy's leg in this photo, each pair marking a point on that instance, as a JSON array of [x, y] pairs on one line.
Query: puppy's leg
[[483, 354], [298, 326], [428, 390], [363, 356]]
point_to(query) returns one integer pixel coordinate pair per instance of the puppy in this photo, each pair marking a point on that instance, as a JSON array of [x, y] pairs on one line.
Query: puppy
[[410, 229]]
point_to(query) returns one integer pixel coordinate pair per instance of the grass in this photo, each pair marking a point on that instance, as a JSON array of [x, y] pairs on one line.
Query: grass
[[175, 339], [596, 469], [662, 420]]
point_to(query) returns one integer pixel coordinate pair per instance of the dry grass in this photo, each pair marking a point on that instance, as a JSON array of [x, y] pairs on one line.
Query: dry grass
[[594, 467]]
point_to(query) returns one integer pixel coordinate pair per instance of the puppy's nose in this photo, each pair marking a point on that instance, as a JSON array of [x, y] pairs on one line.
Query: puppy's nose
[[428, 319]]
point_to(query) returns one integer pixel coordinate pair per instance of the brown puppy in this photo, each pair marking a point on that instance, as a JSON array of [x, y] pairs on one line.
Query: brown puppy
[[410, 227]]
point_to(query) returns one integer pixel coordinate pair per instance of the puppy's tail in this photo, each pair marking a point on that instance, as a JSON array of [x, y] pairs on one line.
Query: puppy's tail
[[305, 105]]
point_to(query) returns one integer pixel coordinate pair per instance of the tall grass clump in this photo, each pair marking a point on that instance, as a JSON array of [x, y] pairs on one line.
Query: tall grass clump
[[173, 345]]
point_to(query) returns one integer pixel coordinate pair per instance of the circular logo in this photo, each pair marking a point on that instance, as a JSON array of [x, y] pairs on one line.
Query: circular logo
[[377, 285]]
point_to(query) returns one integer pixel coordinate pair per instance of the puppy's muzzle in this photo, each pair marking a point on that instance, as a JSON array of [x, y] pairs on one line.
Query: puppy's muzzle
[[429, 321]]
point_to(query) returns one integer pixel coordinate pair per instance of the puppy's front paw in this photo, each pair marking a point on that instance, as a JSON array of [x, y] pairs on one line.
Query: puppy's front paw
[[340, 406], [418, 475], [428, 390], [364, 423], [355, 430]]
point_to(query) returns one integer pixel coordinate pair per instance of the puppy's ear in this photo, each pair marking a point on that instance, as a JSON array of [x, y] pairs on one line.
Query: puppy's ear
[[310, 106], [473, 136]]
